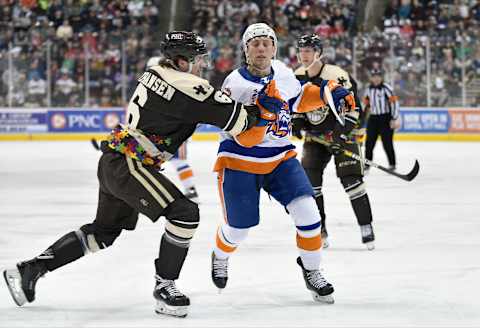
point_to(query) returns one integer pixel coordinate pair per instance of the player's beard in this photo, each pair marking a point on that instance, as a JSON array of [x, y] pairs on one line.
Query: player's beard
[[260, 67]]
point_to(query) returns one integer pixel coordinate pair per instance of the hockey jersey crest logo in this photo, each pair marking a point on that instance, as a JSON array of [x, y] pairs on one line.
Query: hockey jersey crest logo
[[318, 116], [281, 127]]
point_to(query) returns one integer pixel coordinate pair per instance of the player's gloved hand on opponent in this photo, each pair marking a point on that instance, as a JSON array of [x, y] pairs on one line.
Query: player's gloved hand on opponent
[[270, 103], [298, 124], [342, 98]]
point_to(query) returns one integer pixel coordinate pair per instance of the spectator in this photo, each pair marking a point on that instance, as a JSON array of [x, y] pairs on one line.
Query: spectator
[[65, 31], [439, 91], [37, 90], [65, 87]]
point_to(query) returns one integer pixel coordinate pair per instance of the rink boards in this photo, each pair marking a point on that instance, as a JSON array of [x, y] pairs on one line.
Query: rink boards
[[422, 124]]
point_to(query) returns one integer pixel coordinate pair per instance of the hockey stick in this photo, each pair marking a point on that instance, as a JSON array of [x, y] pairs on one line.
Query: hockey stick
[[407, 177], [331, 104], [95, 144]]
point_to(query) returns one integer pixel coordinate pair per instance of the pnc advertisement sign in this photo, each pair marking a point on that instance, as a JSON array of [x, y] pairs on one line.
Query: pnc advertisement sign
[[75, 120]]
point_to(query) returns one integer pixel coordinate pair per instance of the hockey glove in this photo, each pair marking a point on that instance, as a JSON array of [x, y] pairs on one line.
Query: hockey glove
[[335, 148], [270, 103], [298, 124], [342, 98]]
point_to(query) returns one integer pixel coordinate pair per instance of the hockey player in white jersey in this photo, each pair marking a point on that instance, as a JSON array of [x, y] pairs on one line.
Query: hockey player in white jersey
[[265, 159]]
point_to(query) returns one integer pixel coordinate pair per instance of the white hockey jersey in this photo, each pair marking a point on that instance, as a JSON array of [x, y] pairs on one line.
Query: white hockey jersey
[[275, 147]]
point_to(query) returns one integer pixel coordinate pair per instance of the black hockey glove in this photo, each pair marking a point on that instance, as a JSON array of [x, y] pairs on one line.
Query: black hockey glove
[[339, 137], [253, 116], [298, 124], [335, 148], [341, 132]]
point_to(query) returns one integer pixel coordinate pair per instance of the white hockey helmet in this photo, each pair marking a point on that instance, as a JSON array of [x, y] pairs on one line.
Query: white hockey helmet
[[257, 30]]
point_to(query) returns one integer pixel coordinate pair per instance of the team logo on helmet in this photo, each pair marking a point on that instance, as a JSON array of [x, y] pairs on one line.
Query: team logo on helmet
[[183, 44]]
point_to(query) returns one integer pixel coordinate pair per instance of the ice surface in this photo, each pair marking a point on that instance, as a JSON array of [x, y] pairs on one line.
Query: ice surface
[[424, 271]]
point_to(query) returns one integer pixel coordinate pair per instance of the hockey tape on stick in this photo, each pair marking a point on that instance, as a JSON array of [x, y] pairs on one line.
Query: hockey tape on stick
[[328, 95]]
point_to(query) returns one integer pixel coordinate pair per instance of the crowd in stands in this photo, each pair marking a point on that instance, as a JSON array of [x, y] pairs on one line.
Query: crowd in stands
[[118, 30], [398, 47], [70, 30], [223, 22], [452, 28]]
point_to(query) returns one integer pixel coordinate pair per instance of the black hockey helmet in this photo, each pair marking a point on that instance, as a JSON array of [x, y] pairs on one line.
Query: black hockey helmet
[[310, 41], [184, 45]]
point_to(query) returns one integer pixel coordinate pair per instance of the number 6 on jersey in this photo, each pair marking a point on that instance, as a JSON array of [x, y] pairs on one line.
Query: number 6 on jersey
[[137, 101]]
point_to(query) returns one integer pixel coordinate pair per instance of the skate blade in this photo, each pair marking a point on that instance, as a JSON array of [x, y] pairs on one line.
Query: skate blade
[[174, 311], [327, 299], [370, 245], [14, 284]]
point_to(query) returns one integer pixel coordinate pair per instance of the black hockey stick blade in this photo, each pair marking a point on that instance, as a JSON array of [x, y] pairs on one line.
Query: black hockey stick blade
[[407, 177], [95, 143], [413, 173]]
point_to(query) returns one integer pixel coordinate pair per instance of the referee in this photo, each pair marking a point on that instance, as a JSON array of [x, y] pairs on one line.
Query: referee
[[383, 109]]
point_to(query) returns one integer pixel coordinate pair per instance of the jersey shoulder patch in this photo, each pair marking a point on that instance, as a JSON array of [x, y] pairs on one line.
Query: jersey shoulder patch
[[334, 72], [189, 84]]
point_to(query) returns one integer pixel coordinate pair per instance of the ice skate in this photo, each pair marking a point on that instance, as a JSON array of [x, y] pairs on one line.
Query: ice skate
[[22, 279], [192, 194], [169, 300], [320, 288], [368, 237], [219, 272]]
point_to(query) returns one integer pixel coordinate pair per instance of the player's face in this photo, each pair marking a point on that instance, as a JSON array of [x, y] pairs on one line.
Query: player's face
[[306, 55], [201, 62], [376, 79], [260, 52]]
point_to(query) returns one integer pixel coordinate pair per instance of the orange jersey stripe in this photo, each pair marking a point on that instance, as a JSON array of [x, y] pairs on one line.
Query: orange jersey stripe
[[248, 166], [223, 246], [251, 137], [310, 100], [185, 174], [309, 244], [220, 193]]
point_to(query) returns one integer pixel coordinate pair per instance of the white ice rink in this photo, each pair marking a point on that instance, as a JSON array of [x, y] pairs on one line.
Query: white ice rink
[[424, 272]]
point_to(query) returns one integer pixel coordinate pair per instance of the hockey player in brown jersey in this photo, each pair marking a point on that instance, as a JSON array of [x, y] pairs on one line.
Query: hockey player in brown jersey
[[168, 103], [322, 128]]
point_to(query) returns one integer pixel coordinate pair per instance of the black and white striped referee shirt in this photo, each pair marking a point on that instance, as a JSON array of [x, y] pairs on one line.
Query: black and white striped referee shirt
[[381, 100]]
